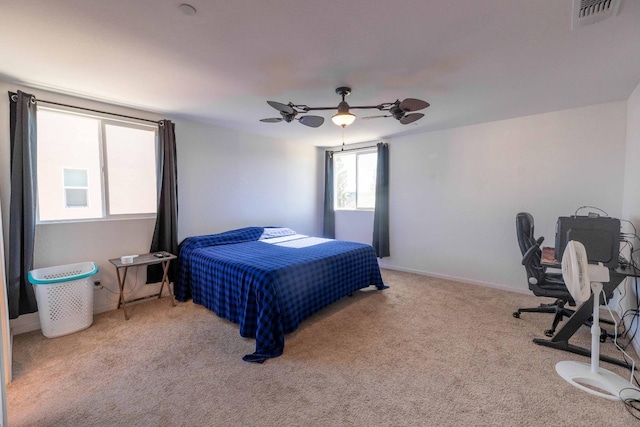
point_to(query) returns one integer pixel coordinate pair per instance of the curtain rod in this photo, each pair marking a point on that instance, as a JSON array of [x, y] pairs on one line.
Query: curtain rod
[[353, 149], [14, 95]]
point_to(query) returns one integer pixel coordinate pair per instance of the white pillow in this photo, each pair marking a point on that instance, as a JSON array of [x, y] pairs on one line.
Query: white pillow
[[271, 232]]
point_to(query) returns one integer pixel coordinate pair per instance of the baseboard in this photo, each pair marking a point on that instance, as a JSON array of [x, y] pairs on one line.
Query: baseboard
[[456, 279], [25, 323], [631, 325], [31, 322]]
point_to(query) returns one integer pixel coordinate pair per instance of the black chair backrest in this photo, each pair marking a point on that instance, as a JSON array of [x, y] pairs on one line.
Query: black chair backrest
[[526, 240]]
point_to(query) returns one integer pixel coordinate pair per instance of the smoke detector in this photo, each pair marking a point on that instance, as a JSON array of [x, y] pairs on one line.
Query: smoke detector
[[587, 12]]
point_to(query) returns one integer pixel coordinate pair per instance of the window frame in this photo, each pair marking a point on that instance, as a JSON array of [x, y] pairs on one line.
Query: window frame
[[357, 152], [105, 120]]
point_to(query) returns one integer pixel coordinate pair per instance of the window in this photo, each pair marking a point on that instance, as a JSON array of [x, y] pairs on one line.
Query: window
[[94, 168], [355, 180]]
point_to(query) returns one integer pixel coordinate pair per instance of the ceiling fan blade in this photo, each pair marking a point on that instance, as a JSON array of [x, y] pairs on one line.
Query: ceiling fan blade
[[375, 117], [412, 104], [272, 120], [410, 118], [283, 108], [311, 121]]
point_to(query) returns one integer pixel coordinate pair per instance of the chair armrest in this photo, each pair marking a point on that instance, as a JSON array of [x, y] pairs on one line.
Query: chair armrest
[[532, 250], [557, 280]]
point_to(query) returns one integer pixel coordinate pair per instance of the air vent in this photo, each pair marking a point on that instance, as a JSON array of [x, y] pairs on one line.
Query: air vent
[[587, 12]]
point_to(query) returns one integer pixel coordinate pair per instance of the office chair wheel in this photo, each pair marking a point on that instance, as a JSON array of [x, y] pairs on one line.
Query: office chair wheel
[[549, 332], [516, 314], [603, 335]]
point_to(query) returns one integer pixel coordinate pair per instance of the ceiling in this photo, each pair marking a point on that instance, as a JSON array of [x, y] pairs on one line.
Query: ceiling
[[474, 61]]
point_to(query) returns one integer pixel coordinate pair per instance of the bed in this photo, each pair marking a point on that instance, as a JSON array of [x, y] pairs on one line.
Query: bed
[[269, 279]]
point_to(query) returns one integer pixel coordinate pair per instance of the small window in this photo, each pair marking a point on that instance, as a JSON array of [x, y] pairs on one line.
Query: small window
[[75, 188], [355, 180], [94, 168]]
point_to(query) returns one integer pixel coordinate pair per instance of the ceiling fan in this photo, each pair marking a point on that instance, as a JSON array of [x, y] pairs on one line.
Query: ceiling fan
[[401, 111]]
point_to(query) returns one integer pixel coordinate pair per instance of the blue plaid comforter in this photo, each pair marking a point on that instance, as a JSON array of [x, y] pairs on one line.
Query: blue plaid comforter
[[270, 289]]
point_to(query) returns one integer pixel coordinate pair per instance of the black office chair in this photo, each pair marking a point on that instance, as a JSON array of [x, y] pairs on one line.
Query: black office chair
[[541, 283]]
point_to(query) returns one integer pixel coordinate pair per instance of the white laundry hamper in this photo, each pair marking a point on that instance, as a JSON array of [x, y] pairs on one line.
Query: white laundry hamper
[[65, 297]]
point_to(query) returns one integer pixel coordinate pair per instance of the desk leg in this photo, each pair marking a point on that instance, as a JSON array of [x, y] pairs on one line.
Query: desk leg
[[560, 340], [165, 279], [121, 282]]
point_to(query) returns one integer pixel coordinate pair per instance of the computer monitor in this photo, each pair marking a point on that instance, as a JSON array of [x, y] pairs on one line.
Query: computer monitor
[[599, 235]]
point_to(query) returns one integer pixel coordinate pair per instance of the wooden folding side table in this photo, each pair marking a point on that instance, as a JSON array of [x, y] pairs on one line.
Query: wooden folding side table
[[140, 260]]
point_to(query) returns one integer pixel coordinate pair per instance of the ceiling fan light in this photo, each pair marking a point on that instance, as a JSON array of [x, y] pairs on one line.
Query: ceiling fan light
[[343, 117]]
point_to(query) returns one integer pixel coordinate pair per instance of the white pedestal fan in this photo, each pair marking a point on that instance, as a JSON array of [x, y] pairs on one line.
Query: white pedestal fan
[[581, 278]]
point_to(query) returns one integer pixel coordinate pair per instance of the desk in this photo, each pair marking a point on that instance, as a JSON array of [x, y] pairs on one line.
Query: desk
[[140, 260], [561, 338]]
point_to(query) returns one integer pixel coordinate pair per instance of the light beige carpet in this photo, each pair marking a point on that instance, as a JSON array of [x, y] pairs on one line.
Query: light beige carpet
[[425, 352]]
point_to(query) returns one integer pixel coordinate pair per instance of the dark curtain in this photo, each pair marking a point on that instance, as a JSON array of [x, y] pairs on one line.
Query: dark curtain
[[165, 235], [329, 221], [381, 215], [22, 216]]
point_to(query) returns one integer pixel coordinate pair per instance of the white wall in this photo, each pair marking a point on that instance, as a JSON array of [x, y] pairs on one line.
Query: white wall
[[229, 180], [454, 194], [356, 226], [631, 198], [226, 179]]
